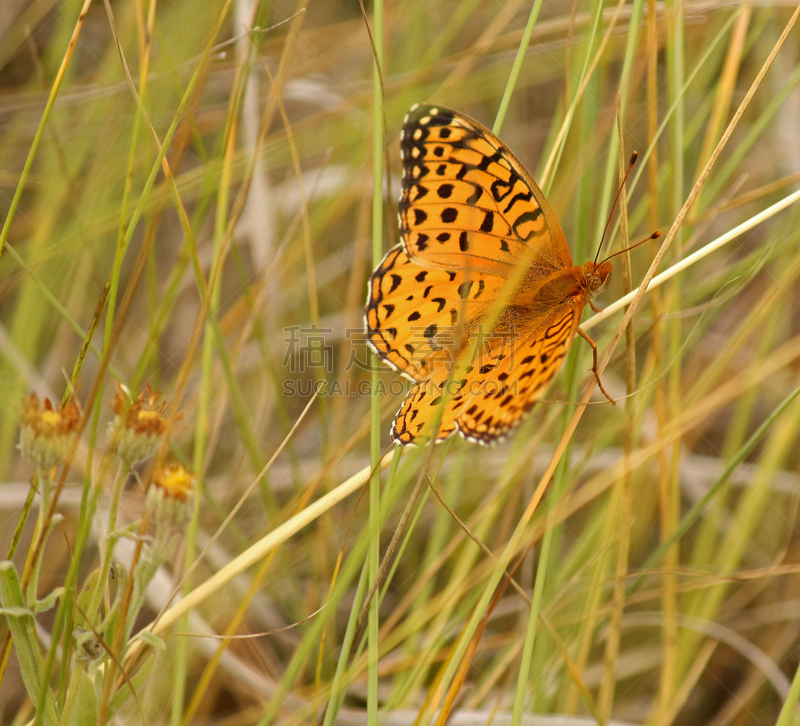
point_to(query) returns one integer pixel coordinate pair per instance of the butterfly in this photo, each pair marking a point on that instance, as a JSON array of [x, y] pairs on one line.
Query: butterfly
[[479, 303]]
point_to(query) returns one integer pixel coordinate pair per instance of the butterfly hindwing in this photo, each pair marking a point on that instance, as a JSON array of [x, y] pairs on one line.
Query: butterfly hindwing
[[468, 203], [449, 388], [503, 403], [494, 394]]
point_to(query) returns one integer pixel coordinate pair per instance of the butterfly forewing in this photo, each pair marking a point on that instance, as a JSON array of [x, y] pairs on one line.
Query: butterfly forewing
[[413, 311], [468, 203]]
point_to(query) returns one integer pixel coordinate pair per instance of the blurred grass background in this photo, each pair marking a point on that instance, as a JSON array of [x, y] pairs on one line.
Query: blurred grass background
[[261, 218]]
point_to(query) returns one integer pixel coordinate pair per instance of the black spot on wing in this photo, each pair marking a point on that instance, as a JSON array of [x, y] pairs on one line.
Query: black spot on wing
[[449, 215]]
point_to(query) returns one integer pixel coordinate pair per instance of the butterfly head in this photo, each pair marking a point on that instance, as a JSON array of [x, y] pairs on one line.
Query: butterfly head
[[595, 277]]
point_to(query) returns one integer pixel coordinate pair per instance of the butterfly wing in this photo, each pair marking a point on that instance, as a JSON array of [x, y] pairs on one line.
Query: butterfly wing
[[494, 396], [470, 214], [496, 410], [414, 422], [411, 311], [468, 203]]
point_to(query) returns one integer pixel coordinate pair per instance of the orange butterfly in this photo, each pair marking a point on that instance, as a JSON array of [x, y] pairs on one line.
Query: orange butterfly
[[480, 302]]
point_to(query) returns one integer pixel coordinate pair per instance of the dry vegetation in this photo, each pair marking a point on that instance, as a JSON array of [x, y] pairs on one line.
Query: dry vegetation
[[190, 213]]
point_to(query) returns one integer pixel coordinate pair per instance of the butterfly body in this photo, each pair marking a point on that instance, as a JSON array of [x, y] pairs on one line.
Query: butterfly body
[[480, 302], [575, 285]]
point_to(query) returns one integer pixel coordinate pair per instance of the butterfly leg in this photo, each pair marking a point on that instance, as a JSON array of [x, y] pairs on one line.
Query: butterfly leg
[[595, 308], [594, 365]]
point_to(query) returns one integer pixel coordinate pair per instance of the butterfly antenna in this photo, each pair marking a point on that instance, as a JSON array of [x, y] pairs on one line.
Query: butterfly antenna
[[634, 156], [655, 235]]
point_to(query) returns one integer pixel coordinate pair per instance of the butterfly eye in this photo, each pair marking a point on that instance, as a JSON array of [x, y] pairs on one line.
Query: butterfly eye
[[595, 283]]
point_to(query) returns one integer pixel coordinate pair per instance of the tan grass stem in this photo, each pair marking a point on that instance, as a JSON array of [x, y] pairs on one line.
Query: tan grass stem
[[690, 260]]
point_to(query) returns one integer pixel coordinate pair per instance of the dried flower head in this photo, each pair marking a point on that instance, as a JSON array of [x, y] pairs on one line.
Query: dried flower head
[[137, 428], [88, 648], [47, 434], [170, 497]]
